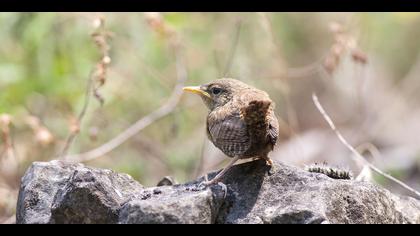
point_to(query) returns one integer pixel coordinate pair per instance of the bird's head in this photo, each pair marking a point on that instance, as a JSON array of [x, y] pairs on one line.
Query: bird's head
[[217, 93]]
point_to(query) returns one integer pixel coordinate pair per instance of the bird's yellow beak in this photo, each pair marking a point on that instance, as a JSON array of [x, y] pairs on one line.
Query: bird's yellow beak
[[196, 90]]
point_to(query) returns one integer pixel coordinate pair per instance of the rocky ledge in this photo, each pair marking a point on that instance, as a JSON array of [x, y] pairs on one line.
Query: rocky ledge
[[59, 192]]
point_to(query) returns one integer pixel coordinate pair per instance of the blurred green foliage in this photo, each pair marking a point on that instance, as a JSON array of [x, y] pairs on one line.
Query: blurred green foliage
[[46, 58]]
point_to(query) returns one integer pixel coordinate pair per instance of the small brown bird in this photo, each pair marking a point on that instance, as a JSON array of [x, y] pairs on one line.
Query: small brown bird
[[241, 121]]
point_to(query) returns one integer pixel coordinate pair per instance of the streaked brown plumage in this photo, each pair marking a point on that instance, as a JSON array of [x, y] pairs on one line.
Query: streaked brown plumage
[[241, 121]]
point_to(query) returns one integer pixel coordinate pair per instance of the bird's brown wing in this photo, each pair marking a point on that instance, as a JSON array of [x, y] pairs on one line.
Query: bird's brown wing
[[230, 135]]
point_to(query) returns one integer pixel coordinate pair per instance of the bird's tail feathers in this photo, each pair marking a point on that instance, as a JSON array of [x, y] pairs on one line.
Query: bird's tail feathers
[[255, 114]]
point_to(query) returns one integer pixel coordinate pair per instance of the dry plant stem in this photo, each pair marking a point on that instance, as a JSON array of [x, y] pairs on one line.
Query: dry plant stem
[[72, 135], [291, 113], [303, 71], [268, 26], [233, 49], [2, 152], [10, 220], [372, 149], [217, 63], [161, 112], [9, 149], [7, 141], [357, 156], [200, 163], [97, 76], [6, 145]]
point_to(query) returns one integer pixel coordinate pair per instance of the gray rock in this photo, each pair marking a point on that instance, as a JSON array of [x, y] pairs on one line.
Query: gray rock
[[173, 205], [292, 195], [38, 187], [58, 192]]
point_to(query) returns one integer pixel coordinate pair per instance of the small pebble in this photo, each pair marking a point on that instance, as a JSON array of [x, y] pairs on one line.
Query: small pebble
[[157, 191]]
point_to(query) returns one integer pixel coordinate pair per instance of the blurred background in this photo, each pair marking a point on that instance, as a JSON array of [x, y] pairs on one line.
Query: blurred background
[[364, 67]]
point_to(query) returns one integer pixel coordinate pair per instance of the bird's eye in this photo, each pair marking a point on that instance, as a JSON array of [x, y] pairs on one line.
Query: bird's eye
[[216, 91]]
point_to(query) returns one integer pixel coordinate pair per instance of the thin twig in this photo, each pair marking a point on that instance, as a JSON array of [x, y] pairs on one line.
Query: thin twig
[[72, 135], [217, 63], [200, 163], [372, 149], [9, 149], [10, 220], [2, 153], [292, 120], [159, 113], [277, 47], [96, 80], [233, 49], [357, 156], [366, 172], [303, 71]]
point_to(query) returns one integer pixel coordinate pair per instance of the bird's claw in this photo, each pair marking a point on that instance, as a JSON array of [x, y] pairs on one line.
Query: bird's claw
[[203, 185], [198, 187], [269, 162], [224, 188], [272, 170]]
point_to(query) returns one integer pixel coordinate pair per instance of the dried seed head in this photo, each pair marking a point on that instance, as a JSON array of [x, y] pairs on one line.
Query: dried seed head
[[154, 19], [41, 133], [93, 133], [157, 23], [98, 22], [331, 63], [74, 125], [344, 43], [33, 122], [99, 40], [351, 43], [335, 28], [44, 136], [359, 56], [340, 39], [106, 60], [5, 120], [337, 50]]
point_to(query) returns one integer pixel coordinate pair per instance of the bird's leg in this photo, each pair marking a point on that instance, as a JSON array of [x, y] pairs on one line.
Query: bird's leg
[[269, 163], [220, 175], [206, 177]]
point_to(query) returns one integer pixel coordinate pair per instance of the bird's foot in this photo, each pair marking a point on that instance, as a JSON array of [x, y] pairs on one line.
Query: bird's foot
[[198, 187], [270, 163], [203, 185], [272, 170], [207, 183], [224, 188]]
